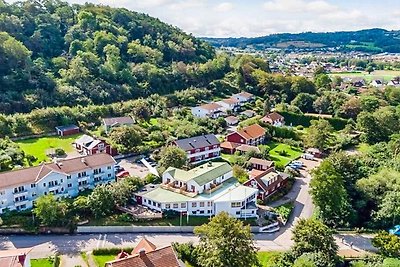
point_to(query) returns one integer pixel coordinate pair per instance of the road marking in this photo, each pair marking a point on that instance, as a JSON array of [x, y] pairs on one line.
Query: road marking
[[104, 241], [98, 241]]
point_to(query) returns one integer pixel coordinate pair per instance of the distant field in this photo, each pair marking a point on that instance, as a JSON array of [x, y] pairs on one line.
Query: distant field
[[386, 75], [38, 146]]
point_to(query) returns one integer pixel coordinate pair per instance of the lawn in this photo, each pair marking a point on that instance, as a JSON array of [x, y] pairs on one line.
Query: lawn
[[266, 258], [276, 153], [228, 157], [386, 75], [38, 146], [101, 260], [42, 262], [363, 148]]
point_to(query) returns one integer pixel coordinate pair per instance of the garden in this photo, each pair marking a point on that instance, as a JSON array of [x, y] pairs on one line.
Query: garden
[[39, 146]]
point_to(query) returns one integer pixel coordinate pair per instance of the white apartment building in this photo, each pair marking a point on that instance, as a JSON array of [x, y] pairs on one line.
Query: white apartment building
[[203, 191], [20, 188]]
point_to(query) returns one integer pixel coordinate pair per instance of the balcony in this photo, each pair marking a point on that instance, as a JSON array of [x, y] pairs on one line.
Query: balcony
[[54, 187], [20, 193], [83, 178], [214, 187], [180, 190]]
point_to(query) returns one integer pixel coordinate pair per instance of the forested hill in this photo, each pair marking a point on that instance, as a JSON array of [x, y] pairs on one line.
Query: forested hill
[[372, 40], [53, 53]]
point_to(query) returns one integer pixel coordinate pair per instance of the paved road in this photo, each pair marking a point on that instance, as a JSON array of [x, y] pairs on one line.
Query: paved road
[[72, 244]]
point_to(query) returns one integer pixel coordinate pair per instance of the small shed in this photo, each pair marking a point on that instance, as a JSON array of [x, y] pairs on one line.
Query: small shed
[[67, 130]]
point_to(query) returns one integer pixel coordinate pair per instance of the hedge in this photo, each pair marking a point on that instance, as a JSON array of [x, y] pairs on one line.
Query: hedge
[[110, 251], [295, 119]]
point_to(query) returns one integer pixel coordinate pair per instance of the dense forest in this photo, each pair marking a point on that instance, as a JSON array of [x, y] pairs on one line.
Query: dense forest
[[372, 40], [53, 53]]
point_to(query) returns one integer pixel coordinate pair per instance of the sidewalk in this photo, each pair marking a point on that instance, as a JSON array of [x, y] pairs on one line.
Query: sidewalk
[[72, 260]]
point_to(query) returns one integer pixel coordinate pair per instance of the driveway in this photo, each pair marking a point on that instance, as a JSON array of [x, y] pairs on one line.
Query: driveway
[[134, 169]]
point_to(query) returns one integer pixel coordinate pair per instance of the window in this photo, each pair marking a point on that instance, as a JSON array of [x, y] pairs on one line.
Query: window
[[69, 177], [109, 175], [236, 204], [175, 205], [202, 212], [108, 167], [209, 203], [33, 185], [167, 206], [202, 204], [194, 204], [2, 192], [44, 184], [69, 185], [194, 212], [238, 213], [33, 194], [183, 205]]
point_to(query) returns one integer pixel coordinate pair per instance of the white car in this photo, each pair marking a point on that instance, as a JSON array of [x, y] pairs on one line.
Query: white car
[[308, 156]]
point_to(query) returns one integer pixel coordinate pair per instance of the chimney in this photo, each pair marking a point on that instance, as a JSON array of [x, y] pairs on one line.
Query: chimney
[[142, 252]]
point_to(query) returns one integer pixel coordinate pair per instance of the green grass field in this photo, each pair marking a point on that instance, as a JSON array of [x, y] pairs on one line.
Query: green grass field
[[42, 263], [386, 75], [280, 160], [101, 260], [38, 146]]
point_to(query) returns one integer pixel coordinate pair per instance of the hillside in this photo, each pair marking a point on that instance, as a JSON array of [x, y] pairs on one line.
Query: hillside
[[373, 40], [53, 53]]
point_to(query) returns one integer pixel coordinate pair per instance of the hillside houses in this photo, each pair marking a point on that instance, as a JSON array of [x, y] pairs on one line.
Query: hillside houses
[[200, 148], [247, 138]]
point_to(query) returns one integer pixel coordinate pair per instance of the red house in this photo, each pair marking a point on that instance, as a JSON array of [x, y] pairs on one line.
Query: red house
[[252, 135], [67, 130], [267, 182], [88, 145], [200, 148]]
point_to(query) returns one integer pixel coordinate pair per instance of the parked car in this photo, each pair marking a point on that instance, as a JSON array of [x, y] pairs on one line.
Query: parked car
[[294, 166], [395, 230], [297, 162], [123, 174], [308, 156]]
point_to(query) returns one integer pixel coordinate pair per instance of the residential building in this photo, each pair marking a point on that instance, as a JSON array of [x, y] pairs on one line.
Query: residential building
[[377, 83], [110, 123], [146, 254], [88, 145], [203, 191], [200, 148], [231, 120], [229, 147], [243, 97], [315, 152], [67, 130], [212, 110], [248, 113], [274, 118], [251, 135], [20, 188], [395, 82], [260, 164], [247, 148], [15, 257], [267, 182], [229, 104]]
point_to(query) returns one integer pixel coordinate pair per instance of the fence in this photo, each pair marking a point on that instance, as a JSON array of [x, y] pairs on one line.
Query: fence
[[142, 229]]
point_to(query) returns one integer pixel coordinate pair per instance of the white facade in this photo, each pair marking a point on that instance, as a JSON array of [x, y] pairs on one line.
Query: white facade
[[228, 106], [210, 110], [22, 196], [242, 98], [219, 193]]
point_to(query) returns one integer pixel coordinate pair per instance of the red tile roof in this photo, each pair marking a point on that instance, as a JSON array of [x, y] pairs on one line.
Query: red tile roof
[[252, 131], [210, 106], [144, 244], [229, 145], [161, 257]]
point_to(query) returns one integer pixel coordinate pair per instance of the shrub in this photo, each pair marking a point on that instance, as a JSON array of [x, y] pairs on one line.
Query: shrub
[[186, 252], [60, 152], [170, 214], [110, 251], [283, 153]]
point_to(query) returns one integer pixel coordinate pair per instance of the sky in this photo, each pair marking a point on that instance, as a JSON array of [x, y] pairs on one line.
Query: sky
[[251, 18]]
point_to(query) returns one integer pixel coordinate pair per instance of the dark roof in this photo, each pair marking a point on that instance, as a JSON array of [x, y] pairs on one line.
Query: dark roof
[[161, 257], [67, 127], [118, 121], [197, 142]]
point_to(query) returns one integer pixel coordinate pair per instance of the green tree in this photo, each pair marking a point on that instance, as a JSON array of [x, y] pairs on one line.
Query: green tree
[[312, 236], [220, 237], [323, 81], [50, 211], [122, 191], [329, 195], [101, 201], [304, 102], [319, 134], [267, 106], [239, 173], [172, 156], [388, 244], [126, 138]]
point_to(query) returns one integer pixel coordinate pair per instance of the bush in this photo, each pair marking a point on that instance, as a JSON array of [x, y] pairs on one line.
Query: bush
[[60, 152], [284, 211], [304, 120], [110, 251], [170, 214], [283, 153], [186, 252]]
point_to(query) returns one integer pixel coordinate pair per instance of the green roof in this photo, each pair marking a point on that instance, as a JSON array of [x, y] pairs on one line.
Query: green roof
[[202, 174], [162, 195]]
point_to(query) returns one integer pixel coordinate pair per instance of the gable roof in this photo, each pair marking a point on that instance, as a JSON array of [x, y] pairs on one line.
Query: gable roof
[[230, 101], [197, 142], [252, 131], [231, 119], [244, 94], [14, 257], [144, 244], [229, 145], [264, 176], [210, 106], [262, 162], [84, 140], [161, 257], [273, 116], [67, 127], [67, 166], [202, 174], [247, 148], [118, 121]]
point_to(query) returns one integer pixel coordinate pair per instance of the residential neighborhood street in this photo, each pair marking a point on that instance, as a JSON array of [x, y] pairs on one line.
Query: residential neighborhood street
[[46, 245]]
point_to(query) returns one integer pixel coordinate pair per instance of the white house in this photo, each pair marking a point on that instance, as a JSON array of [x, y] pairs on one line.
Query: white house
[[229, 104], [243, 97], [377, 83], [212, 110], [20, 188], [394, 82], [202, 191]]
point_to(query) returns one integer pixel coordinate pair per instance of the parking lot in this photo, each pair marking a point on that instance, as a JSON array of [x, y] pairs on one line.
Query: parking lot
[[135, 169]]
